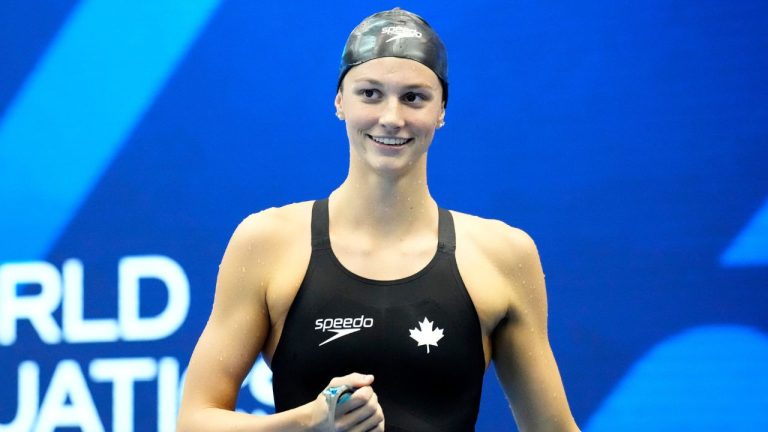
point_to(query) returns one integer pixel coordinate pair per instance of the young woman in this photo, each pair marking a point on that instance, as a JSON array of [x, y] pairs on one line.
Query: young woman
[[376, 308]]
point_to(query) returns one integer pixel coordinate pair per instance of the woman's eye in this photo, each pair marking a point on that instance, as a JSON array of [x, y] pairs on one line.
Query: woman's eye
[[413, 97], [368, 93]]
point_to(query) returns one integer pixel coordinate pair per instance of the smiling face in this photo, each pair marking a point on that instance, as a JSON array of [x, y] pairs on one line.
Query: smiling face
[[392, 107]]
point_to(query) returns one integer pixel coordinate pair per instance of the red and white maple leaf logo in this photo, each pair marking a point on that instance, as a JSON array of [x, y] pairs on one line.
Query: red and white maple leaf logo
[[424, 335]]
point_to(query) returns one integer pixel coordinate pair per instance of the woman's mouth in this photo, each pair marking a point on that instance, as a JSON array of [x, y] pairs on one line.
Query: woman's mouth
[[390, 141]]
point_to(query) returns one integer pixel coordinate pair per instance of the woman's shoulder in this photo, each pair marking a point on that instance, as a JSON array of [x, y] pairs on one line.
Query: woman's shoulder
[[495, 239], [274, 228], [277, 221], [284, 217]]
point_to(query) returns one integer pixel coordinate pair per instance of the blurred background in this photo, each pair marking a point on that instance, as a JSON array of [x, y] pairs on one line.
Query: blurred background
[[630, 139]]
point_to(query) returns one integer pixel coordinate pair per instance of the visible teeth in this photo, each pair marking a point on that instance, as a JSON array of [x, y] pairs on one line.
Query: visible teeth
[[390, 141]]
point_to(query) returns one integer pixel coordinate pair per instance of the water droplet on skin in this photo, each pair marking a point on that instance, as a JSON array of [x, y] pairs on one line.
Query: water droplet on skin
[[242, 269]]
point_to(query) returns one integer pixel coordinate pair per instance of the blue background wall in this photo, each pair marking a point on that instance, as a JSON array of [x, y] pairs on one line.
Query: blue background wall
[[630, 140]]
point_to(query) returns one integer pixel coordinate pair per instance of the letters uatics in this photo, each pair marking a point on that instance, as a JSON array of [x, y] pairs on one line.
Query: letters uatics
[[67, 400]]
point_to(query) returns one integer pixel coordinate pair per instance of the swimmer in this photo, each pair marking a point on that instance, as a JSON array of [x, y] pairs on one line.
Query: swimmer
[[376, 292]]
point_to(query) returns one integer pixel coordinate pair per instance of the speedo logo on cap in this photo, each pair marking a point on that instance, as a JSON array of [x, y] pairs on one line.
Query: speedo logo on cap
[[399, 32], [342, 326]]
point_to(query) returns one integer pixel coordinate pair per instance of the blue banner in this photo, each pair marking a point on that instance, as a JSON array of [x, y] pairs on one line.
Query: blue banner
[[629, 140]]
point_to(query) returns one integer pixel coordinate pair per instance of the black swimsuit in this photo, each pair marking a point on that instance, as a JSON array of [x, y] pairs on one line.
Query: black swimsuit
[[419, 336]]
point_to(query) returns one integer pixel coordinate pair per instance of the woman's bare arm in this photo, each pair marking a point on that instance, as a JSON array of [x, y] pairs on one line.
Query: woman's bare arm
[[522, 354]]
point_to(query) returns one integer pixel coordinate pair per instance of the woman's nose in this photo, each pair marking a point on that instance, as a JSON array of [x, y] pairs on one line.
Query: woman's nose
[[391, 114]]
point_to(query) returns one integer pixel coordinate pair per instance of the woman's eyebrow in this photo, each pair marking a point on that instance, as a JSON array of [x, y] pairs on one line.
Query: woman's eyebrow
[[374, 82], [368, 81], [419, 87]]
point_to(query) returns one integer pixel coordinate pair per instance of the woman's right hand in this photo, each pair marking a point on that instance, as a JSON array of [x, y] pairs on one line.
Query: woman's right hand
[[360, 413]]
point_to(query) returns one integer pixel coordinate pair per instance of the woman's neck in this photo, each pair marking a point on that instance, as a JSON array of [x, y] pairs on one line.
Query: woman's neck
[[386, 206]]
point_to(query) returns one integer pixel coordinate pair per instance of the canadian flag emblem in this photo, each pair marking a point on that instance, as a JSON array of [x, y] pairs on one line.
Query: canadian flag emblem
[[425, 335]]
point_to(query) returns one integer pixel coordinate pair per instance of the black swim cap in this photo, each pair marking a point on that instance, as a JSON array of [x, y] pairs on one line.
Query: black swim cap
[[396, 33]]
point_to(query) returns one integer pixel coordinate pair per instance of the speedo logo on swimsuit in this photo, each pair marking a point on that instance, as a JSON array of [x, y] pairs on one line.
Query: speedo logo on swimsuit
[[398, 32], [342, 326]]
